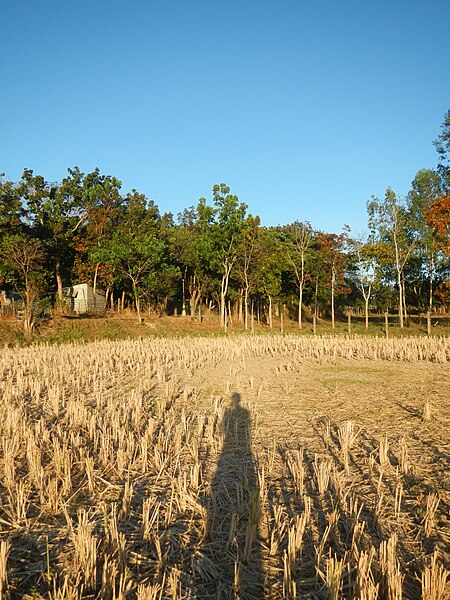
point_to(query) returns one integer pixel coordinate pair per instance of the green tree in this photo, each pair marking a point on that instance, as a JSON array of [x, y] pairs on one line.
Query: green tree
[[269, 266], [11, 209], [21, 260], [297, 248], [248, 257], [425, 188], [134, 249], [54, 214], [442, 144], [193, 249], [226, 233], [367, 272], [103, 208], [389, 222], [333, 258]]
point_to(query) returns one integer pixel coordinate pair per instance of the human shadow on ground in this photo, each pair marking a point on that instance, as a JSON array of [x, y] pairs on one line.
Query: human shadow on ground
[[231, 554]]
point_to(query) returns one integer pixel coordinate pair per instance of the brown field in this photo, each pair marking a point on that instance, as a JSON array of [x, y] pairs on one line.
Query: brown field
[[239, 467]]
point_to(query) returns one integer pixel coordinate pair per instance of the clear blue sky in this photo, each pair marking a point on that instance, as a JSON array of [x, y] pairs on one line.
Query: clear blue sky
[[304, 108]]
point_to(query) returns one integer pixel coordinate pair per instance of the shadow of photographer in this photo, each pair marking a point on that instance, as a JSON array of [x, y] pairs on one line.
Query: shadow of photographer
[[232, 561]]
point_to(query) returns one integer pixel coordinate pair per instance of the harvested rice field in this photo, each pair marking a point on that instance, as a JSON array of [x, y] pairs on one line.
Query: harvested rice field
[[243, 467]]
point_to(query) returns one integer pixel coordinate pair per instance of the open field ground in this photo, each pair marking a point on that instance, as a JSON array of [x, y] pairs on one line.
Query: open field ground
[[241, 467]]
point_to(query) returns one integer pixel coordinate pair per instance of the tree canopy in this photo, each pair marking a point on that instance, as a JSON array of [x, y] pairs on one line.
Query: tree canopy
[[85, 228]]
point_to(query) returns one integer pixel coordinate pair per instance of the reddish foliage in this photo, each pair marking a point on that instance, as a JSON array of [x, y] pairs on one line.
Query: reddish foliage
[[442, 293], [332, 249], [438, 216]]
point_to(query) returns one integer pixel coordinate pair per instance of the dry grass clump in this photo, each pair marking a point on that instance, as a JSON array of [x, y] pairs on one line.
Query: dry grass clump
[[128, 470]]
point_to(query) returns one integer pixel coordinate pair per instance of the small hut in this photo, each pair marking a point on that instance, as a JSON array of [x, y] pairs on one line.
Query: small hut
[[81, 299], [9, 302]]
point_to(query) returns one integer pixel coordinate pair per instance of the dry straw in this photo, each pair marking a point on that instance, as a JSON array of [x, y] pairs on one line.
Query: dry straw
[[125, 472]]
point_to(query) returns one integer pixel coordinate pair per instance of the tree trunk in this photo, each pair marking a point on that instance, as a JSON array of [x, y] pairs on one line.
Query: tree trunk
[[246, 308], [229, 313], [400, 297], [138, 305], [28, 309], [399, 280], [59, 285], [223, 308], [195, 294], [183, 307], [240, 306], [300, 302], [367, 312], [316, 293], [405, 306], [333, 283], [270, 312], [95, 278], [94, 286], [223, 294], [430, 301]]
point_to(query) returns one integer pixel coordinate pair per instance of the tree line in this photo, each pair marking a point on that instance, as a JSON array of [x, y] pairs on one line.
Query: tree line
[[216, 255]]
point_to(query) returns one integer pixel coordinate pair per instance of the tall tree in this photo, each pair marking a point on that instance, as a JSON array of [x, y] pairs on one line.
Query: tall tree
[[366, 271], [54, 213], [103, 208], [425, 188], [389, 222], [269, 266], [247, 259], [332, 247], [21, 260], [134, 249], [297, 244], [192, 250], [438, 217], [442, 144], [11, 209], [226, 233]]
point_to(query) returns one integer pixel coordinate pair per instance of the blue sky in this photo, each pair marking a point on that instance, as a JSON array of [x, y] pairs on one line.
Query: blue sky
[[305, 109]]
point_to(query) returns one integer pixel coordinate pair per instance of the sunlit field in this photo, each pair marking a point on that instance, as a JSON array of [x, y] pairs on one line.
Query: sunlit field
[[241, 467]]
